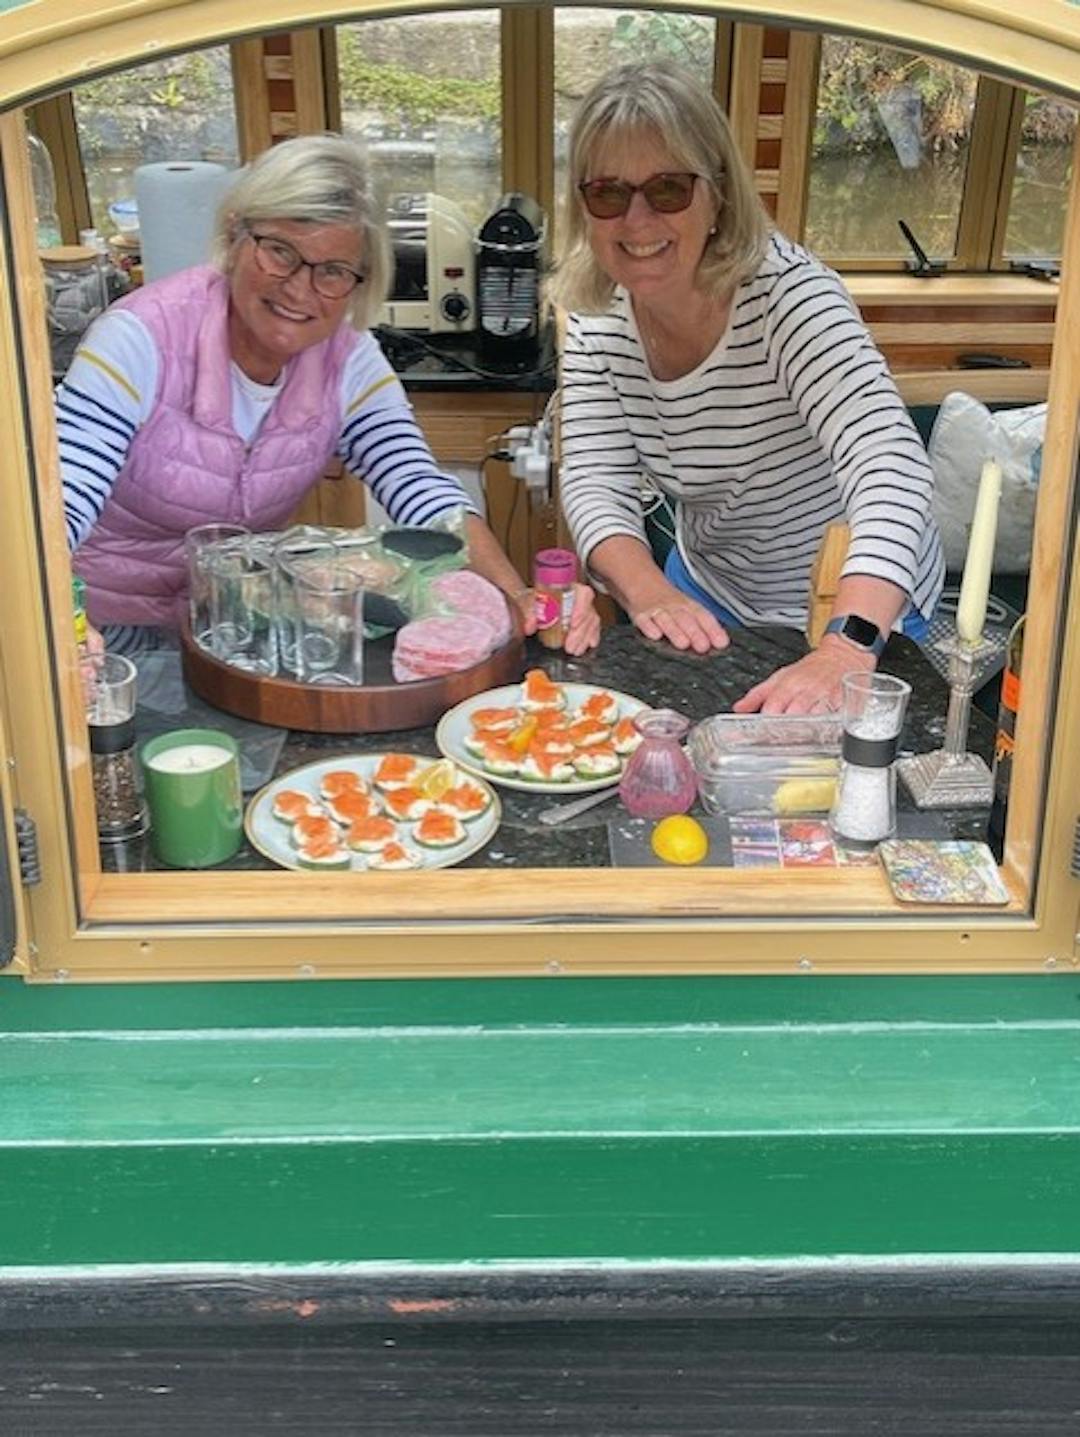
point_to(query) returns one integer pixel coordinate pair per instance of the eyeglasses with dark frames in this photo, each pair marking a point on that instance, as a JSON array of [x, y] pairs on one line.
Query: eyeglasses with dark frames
[[667, 194], [277, 258]]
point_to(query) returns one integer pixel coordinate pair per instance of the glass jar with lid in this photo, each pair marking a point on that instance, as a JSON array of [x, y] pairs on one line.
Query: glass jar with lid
[[75, 294]]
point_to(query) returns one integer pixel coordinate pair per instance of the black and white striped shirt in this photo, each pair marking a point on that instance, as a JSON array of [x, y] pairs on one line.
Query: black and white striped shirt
[[791, 422]]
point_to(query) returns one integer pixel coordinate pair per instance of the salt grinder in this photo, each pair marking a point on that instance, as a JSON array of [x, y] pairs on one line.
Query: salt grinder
[[865, 808]]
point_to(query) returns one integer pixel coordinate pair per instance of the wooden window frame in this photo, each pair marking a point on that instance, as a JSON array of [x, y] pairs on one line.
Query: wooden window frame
[[91, 925], [527, 45], [987, 188]]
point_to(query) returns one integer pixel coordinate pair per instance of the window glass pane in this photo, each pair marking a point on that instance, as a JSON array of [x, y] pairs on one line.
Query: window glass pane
[[179, 109], [1041, 181], [890, 142], [589, 41], [424, 94]]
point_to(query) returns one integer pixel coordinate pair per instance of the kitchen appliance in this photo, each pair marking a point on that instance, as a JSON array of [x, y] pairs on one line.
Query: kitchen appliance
[[510, 248], [434, 285]]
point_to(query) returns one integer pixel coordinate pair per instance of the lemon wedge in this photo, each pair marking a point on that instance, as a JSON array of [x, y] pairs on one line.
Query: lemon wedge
[[438, 778], [679, 839], [522, 736]]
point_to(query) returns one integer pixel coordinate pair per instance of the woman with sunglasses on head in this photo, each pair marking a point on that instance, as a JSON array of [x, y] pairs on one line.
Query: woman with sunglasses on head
[[723, 366], [221, 392]]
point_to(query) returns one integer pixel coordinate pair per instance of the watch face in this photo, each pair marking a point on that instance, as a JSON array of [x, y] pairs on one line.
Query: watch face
[[860, 631]]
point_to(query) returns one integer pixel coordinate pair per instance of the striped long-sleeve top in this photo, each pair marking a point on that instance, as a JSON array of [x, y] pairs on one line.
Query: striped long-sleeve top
[[790, 423], [109, 392]]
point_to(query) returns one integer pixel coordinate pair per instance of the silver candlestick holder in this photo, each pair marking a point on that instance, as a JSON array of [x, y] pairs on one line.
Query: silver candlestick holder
[[950, 777]]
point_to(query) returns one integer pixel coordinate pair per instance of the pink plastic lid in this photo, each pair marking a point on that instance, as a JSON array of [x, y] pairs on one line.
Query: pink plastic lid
[[554, 566]]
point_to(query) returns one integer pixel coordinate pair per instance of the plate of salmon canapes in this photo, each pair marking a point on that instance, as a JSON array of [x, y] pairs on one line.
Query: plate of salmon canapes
[[383, 812], [543, 737]]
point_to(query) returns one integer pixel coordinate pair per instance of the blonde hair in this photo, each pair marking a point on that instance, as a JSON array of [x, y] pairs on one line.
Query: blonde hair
[[316, 179], [658, 99]]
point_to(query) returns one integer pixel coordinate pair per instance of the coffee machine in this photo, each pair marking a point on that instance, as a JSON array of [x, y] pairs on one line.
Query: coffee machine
[[509, 264]]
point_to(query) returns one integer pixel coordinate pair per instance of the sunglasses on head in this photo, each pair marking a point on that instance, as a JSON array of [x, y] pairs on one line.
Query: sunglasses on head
[[666, 193]]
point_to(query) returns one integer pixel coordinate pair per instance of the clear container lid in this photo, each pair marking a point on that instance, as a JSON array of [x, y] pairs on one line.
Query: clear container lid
[[762, 743]]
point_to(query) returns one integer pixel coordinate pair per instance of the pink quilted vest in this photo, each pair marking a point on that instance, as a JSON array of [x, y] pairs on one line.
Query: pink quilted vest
[[188, 466]]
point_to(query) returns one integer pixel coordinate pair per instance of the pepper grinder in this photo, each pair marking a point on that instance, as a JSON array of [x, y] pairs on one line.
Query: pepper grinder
[[121, 813]]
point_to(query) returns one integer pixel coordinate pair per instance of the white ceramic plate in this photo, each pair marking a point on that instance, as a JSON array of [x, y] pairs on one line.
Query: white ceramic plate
[[271, 837], [456, 725]]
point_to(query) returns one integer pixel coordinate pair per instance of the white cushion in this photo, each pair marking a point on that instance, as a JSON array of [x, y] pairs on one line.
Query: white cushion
[[966, 433]]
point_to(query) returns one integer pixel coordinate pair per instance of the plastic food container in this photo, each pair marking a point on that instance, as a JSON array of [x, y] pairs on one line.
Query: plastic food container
[[778, 765]]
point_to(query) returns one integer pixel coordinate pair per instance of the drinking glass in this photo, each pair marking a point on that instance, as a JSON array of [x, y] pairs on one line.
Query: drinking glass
[[200, 544], [302, 545], [329, 604], [243, 631]]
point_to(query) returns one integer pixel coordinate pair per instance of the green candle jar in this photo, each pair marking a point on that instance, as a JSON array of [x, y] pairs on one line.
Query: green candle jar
[[191, 779]]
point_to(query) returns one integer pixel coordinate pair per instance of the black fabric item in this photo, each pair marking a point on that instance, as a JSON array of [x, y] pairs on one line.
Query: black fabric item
[[421, 543]]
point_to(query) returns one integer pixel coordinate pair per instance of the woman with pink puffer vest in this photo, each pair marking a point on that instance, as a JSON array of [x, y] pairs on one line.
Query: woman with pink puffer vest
[[220, 393]]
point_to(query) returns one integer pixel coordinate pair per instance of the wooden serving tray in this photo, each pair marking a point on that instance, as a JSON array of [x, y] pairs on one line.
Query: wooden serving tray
[[380, 705]]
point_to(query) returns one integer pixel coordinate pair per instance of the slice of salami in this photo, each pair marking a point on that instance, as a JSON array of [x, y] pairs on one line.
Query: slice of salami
[[442, 645], [463, 592]]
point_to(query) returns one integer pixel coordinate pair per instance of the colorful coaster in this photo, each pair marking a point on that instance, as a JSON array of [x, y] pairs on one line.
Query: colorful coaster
[[923, 870]]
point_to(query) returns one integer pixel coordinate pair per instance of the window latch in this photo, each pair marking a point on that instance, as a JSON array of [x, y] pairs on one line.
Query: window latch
[[922, 265], [1047, 269], [26, 840]]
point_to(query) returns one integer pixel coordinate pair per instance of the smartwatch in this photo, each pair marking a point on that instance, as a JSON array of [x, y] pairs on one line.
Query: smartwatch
[[858, 631]]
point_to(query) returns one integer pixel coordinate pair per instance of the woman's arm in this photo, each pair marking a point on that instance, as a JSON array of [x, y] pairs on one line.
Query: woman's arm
[[655, 606], [382, 443], [848, 400], [601, 498], [104, 398], [815, 681]]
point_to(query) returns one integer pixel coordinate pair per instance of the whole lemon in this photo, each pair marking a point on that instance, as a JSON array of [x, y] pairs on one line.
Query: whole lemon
[[680, 839]]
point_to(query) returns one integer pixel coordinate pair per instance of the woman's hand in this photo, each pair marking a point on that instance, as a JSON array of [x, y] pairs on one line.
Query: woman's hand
[[90, 664], [524, 601], [810, 686], [682, 621], [583, 632]]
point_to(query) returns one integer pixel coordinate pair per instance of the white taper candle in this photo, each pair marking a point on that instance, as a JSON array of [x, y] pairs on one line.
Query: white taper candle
[[975, 585]]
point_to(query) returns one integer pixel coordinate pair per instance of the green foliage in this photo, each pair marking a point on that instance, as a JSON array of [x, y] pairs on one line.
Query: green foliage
[[856, 75], [406, 98], [649, 35], [188, 81]]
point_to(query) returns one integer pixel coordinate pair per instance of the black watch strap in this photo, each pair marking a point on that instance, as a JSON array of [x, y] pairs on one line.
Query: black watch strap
[[863, 633]]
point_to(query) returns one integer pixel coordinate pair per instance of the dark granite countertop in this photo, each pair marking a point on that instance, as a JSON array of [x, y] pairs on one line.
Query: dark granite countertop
[[661, 677], [461, 363]]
